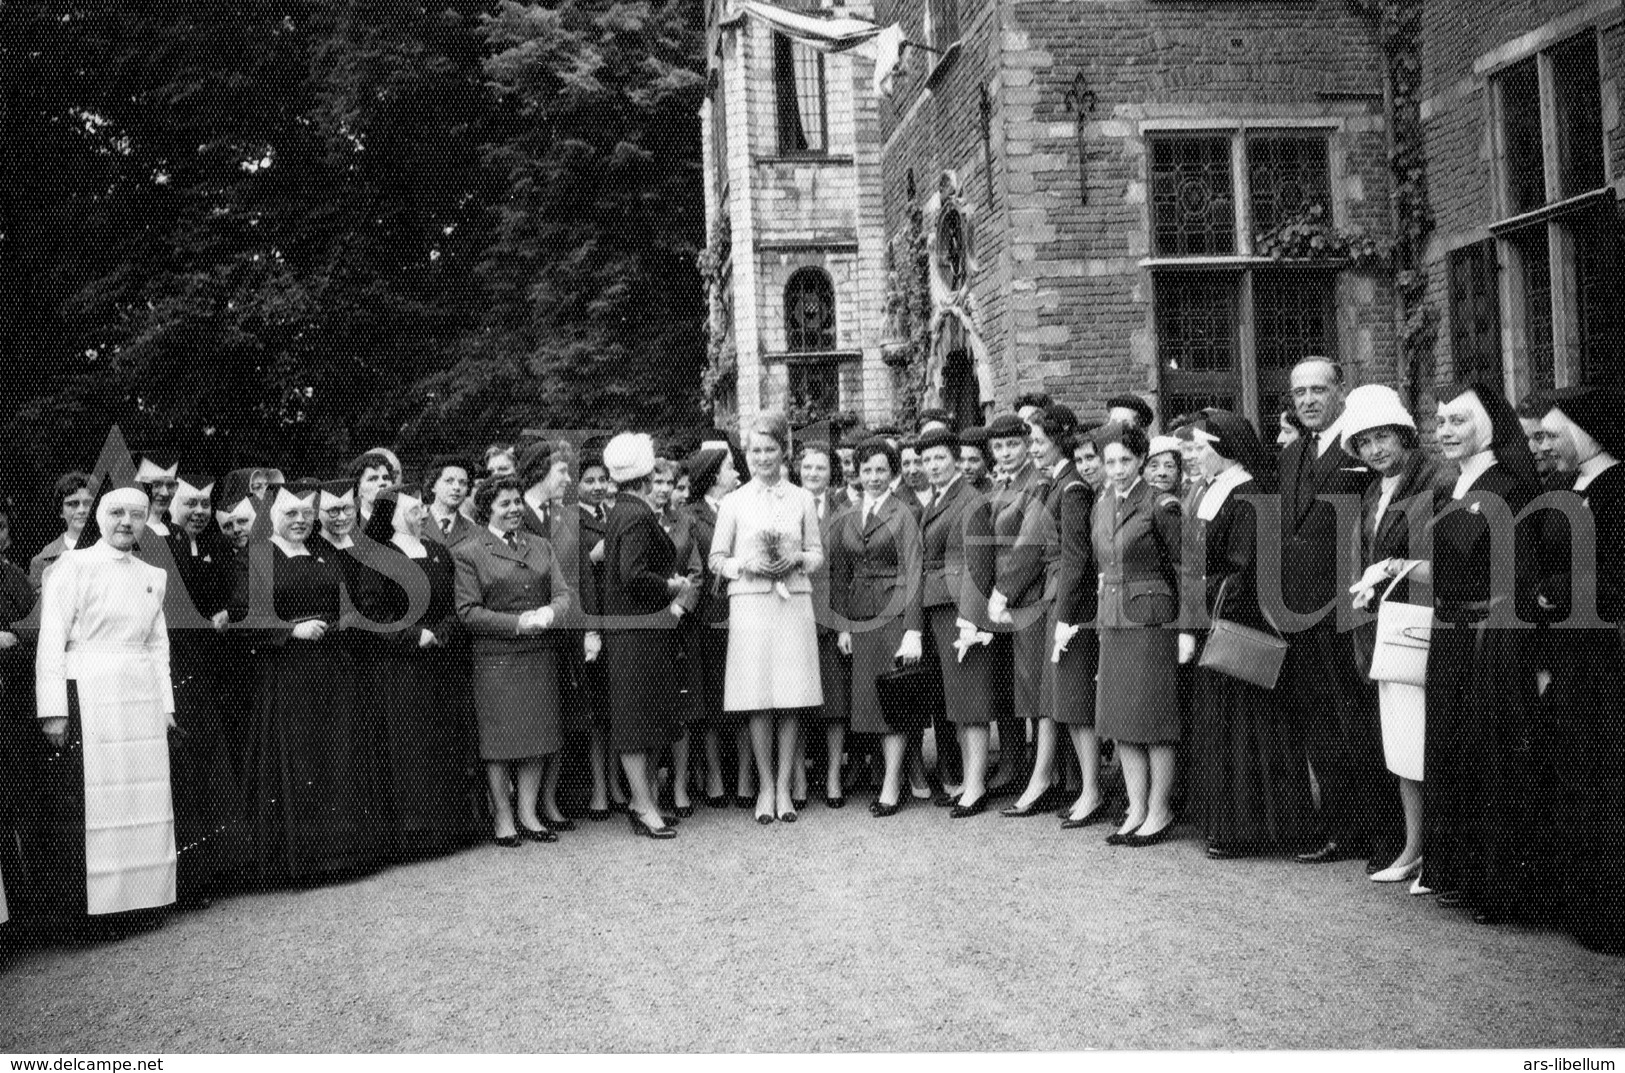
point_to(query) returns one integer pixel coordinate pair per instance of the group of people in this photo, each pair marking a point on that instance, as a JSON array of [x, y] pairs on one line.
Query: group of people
[[275, 681]]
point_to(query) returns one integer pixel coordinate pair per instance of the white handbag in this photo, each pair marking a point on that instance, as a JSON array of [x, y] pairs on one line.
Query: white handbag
[[1404, 634]]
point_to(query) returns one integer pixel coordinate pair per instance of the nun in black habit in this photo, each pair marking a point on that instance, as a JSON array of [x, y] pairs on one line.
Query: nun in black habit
[[311, 762], [1582, 706], [417, 675]]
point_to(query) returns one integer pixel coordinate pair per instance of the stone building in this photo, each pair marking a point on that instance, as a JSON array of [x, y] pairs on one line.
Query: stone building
[[796, 254], [1167, 197], [1519, 106]]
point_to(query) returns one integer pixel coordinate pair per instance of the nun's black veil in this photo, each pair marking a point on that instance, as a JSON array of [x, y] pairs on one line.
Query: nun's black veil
[[1506, 432]]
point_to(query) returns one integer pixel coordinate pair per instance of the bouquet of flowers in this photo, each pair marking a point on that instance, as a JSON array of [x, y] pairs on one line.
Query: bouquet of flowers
[[774, 542]]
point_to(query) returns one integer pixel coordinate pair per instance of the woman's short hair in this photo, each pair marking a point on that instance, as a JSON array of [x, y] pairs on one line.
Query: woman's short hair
[[1059, 425], [1132, 437], [372, 460], [669, 468], [1408, 437], [438, 467], [69, 484], [830, 456], [875, 445], [772, 424], [486, 496], [500, 449]]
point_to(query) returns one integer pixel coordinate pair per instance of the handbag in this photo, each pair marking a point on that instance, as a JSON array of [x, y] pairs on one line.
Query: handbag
[[1242, 652], [905, 697], [1404, 635]]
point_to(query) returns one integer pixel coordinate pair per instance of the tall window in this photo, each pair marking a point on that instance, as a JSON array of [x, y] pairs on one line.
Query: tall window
[[1559, 246], [942, 26], [798, 79], [1230, 326], [1475, 311], [809, 312]]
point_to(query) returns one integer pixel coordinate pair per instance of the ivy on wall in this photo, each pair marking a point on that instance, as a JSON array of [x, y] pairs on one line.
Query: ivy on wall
[[1398, 25], [1310, 236], [721, 364], [908, 316]]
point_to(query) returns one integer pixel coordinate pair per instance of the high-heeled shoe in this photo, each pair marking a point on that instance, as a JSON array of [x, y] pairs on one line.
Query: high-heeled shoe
[[1139, 841], [534, 835], [1042, 803], [641, 828], [1092, 817], [506, 841], [1419, 891], [880, 810], [562, 825], [975, 808], [1396, 873]]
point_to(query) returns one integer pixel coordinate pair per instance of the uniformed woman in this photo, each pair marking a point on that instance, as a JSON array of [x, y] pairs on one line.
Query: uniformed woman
[[511, 590]]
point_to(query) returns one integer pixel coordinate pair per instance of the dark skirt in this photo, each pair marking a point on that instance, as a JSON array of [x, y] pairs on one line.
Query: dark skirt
[[645, 705], [1479, 823], [1582, 709], [705, 670], [211, 826], [423, 698], [1137, 689], [874, 652], [1249, 782], [516, 701], [1069, 686], [314, 765], [835, 675], [966, 688], [1029, 651]]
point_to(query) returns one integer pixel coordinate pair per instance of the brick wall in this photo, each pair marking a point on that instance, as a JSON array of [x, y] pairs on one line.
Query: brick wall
[[1065, 298]]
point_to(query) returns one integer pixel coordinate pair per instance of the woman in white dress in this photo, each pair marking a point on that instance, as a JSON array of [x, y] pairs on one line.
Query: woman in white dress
[[1382, 434], [106, 705], [766, 543]]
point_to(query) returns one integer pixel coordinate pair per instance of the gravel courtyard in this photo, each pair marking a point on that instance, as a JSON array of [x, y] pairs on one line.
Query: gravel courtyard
[[840, 932]]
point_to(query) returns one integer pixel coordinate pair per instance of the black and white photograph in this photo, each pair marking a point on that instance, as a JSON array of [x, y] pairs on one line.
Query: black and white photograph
[[872, 528]]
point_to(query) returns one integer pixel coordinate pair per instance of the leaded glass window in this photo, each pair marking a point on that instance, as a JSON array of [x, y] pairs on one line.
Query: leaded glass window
[[809, 312], [1193, 208], [1287, 175]]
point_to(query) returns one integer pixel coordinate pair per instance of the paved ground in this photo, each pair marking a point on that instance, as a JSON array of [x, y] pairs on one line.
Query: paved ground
[[840, 932]]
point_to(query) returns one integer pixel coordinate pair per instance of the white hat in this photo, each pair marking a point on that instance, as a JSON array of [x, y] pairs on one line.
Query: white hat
[[1372, 406], [1163, 445], [629, 456]]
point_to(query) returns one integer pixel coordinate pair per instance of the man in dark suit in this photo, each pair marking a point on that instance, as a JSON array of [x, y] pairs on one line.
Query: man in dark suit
[[1321, 683]]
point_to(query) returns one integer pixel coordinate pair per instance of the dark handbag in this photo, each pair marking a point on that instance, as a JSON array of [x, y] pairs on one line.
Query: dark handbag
[[1242, 652], [905, 697]]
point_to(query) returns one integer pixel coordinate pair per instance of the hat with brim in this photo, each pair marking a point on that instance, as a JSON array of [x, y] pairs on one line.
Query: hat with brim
[[1372, 406]]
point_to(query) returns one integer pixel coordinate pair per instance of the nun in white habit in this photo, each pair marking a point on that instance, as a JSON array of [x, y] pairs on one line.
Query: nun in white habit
[[106, 705]]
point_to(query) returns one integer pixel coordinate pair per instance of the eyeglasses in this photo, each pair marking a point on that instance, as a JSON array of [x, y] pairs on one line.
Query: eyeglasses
[[337, 512]]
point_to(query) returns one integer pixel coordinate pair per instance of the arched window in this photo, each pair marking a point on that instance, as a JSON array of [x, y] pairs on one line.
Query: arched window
[[809, 312]]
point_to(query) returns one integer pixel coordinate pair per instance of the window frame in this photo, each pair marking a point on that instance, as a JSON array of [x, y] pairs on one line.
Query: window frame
[[1246, 379], [1562, 213], [789, 81]]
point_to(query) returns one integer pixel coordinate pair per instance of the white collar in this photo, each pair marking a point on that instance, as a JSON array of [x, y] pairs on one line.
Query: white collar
[[938, 493], [289, 548], [872, 505], [102, 552], [69, 540], [499, 534], [441, 512], [1219, 489], [411, 545], [714, 504], [1472, 470], [1592, 468], [157, 527], [1055, 470], [349, 542], [1329, 435]]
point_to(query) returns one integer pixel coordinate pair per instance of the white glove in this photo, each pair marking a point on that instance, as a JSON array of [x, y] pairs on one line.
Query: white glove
[[425, 639], [1187, 647], [1366, 588], [592, 644], [969, 637], [843, 642], [909, 651], [1063, 637]]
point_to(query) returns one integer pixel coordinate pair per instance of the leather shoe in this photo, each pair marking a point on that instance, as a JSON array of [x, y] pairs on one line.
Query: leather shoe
[[534, 835], [945, 800], [1139, 841], [1452, 899], [561, 825], [598, 815], [1116, 839], [506, 841], [1331, 851], [959, 812], [835, 802], [683, 811], [880, 811], [719, 801], [1095, 815], [1220, 852]]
